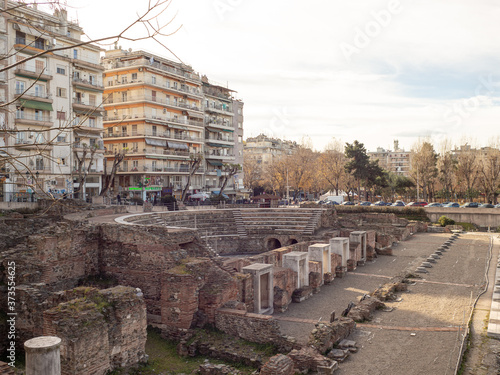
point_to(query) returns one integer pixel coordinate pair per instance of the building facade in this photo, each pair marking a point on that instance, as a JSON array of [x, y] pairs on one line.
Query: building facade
[[52, 115], [161, 115], [263, 149], [397, 161]]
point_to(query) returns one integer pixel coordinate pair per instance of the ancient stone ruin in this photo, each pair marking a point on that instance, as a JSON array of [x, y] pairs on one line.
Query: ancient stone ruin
[[164, 270]]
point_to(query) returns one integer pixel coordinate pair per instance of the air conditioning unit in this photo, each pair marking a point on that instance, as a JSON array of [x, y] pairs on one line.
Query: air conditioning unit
[[140, 69]]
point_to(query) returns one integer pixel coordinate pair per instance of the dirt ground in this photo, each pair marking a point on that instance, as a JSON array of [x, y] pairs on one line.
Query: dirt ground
[[423, 333]]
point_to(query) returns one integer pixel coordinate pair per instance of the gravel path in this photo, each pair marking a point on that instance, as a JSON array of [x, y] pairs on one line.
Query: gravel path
[[422, 335]]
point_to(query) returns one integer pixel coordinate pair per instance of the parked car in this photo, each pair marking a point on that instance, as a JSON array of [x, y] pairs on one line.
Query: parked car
[[452, 204], [348, 203], [398, 204], [417, 204], [434, 204], [331, 203], [470, 205], [364, 203], [379, 203], [487, 205]]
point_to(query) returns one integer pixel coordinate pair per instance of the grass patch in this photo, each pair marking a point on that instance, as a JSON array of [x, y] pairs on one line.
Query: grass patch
[[468, 227]]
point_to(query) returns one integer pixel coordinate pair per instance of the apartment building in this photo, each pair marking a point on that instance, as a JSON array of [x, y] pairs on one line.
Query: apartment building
[[263, 148], [154, 117], [53, 110], [397, 161], [223, 117]]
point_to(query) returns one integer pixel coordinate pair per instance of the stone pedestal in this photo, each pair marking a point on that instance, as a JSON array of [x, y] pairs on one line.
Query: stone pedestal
[[263, 288], [298, 262], [321, 253], [43, 356], [360, 237], [340, 246]]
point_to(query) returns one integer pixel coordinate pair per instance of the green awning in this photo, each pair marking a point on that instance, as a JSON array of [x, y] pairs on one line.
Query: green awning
[[95, 113], [218, 145], [215, 163], [228, 130], [36, 105], [30, 77]]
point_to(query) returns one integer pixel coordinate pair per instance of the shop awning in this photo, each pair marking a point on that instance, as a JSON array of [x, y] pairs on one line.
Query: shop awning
[[156, 142], [218, 145], [215, 163], [228, 130], [36, 105], [177, 145]]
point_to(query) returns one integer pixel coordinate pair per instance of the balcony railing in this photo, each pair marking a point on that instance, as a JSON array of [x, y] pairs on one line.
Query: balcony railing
[[155, 134], [87, 82], [33, 117], [140, 116], [220, 107], [151, 98], [34, 93], [148, 168], [158, 65]]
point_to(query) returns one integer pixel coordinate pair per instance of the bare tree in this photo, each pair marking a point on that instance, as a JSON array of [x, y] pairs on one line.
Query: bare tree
[[490, 174], [253, 172], [229, 170], [331, 165], [423, 167], [468, 171], [148, 24], [194, 164]]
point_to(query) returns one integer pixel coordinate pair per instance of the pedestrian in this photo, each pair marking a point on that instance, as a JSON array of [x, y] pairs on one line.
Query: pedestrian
[[154, 201], [119, 199]]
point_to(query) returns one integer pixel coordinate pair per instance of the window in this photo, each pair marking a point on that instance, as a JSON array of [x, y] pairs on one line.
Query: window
[[19, 87], [110, 130], [39, 164], [61, 70], [239, 111], [154, 130], [124, 79], [20, 38], [76, 76], [124, 130], [40, 43], [19, 112], [61, 115], [39, 66], [61, 138], [20, 58], [124, 96], [75, 53], [93, 79], [92, 142], [92, 122], [134, 76], [92, 99], [125, 145], [135, 163], [135, 146], [240, 126], [63, 161], [61, 92], [134, 130], [38, 115], [153, 80]]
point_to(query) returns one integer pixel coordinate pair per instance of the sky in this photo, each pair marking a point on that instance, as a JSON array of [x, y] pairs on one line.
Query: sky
[[366, 70]]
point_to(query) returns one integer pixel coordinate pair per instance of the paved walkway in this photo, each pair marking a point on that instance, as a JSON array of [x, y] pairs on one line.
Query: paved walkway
[[422, 335]]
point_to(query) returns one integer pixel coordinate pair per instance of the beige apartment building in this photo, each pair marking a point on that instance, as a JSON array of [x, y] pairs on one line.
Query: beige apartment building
[[396, 161], [162, 115], [263, 148], [53, 105]]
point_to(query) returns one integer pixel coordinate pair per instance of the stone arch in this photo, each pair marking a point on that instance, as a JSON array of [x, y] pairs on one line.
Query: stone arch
[[291, 241], [273, 243]]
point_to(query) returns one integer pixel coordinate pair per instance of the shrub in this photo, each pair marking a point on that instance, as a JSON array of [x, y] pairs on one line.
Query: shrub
[[444, 221], [168, 199]]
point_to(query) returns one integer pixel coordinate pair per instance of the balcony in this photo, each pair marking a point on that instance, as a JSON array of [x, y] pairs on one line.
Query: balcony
[[180, 105], [25, 118], [34, 95], [216, 154], [219, 108], [31, 144], [148, 168], [150, 118], [177, 72], [224, 140], [88, 107], [86, 84], [25, 70]]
